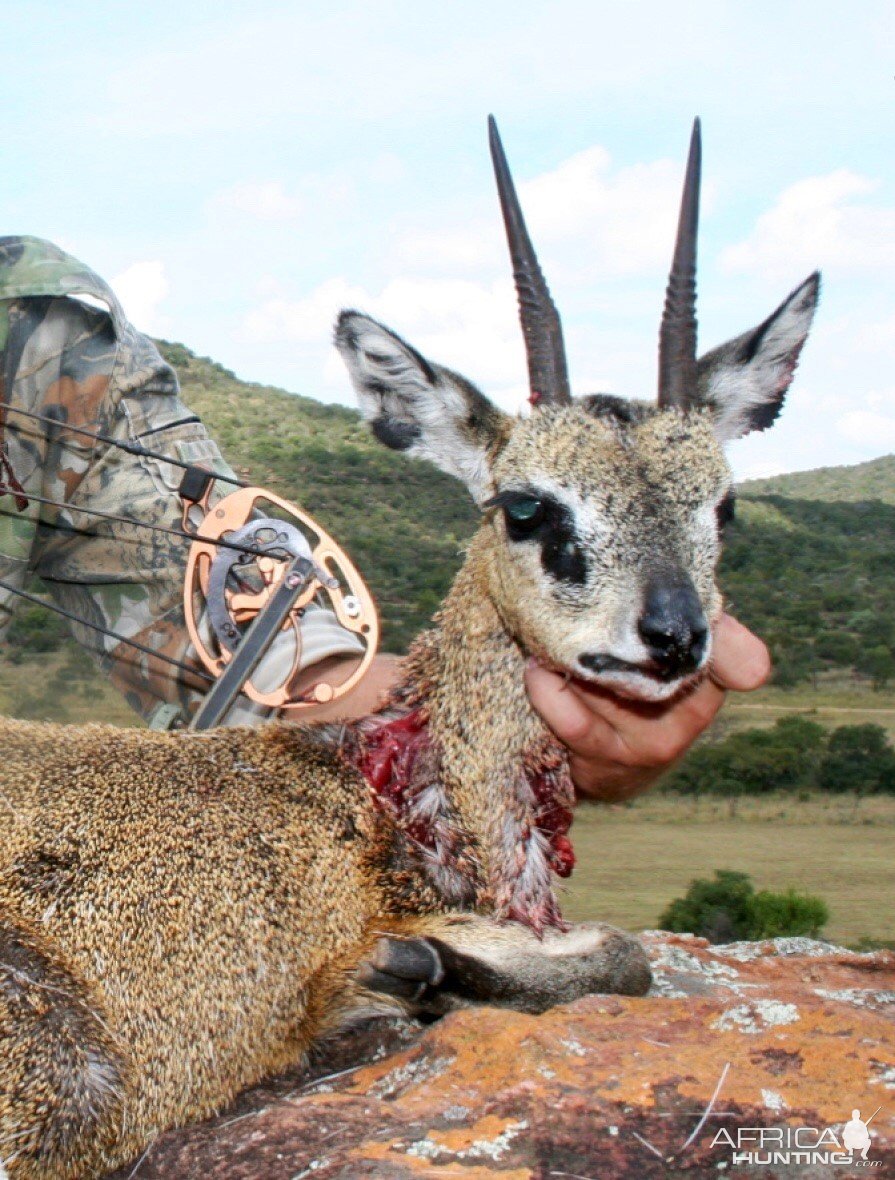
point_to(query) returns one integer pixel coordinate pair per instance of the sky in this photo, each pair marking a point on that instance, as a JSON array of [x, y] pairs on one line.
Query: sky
[[240, 171]]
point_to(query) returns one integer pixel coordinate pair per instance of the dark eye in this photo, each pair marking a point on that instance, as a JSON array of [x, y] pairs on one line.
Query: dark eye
[[523, 515], [726, 510], [525, 510]]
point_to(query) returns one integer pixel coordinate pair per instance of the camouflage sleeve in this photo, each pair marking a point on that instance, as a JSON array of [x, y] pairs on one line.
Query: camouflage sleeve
[[70, 354], [18, 522]]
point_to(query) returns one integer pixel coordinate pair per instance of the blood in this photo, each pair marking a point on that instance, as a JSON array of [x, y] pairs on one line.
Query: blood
[[395, 757], [388, 755], [552, 818]]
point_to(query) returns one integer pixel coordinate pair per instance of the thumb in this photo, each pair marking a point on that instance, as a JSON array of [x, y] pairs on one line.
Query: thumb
[[740, 661]]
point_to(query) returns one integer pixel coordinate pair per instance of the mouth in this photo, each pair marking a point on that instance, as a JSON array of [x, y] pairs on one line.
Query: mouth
[[601, 664], [642, 681]]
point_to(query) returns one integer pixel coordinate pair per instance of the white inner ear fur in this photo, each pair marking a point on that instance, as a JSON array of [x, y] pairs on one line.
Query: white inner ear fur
[[383, 357], [406, 395], [738, 389]]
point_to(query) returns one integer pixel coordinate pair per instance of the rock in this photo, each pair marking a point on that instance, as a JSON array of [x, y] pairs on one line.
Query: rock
[[782, 1034]]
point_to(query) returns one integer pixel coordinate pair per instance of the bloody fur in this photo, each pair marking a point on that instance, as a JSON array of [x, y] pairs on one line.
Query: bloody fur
[[397, 755]]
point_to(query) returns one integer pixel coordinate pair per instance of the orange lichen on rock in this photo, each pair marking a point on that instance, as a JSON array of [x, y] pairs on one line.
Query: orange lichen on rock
[[797, 1032]]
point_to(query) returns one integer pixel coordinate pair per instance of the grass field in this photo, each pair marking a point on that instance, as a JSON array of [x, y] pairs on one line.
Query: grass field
[[633, 860], [54, 688], [835, 704], [44, 686]]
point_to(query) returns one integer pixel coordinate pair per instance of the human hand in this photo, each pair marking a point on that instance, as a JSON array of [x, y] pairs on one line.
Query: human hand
[[620, 747]]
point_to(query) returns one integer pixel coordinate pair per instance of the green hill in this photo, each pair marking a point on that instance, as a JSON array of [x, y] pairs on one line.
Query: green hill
[[864, 481], [809, 561], [816, 579], [403, 522]]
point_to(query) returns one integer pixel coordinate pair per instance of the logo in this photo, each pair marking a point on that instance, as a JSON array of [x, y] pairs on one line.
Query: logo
[[768, 1146]]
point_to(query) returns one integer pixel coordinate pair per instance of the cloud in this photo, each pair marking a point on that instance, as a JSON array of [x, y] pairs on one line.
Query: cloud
[[141, 288], [350, 64], [877, 335], [301, 321], [467, 325], [618, 223], [455, 299], [264, 200], [820, 221], [588, 217], [866, 428]]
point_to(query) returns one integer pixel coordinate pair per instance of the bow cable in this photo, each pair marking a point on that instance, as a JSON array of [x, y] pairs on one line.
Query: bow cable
[[133, 448], [138, 524], [60, 610], [188, 492]]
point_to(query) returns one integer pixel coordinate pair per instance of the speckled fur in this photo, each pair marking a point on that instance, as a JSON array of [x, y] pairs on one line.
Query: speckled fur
[[636, 489], [182, 915], [169, 882], [645, 493], [193, 907]]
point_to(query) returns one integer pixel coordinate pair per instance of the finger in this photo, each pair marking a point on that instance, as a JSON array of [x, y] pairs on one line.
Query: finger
[[740, 661], [610, 732], [595, 724], [575, 720]]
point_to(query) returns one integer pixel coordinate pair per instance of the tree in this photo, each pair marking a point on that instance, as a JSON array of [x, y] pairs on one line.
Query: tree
[[837, 646], [877, 663], [754, 761], [858, 758]]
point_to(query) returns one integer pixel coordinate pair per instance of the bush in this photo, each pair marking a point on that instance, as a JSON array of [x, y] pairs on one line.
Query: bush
[[777, 915], [717, 910], [877, 663], [35, 631], [858, 758], [837, 646], [727, 909]]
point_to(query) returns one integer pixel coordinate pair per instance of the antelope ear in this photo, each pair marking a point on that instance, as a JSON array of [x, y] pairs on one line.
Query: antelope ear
[[421, 408], [745, 381]]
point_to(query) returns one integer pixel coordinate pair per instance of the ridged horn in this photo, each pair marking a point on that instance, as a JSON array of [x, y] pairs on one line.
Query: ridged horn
[[547, 372], [677, 335]]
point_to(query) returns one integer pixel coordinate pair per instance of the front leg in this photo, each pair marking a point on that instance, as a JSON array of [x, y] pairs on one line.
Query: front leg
[[453, 961]]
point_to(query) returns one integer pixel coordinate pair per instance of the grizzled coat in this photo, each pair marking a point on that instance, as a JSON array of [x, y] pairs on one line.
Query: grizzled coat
[[182, 915]]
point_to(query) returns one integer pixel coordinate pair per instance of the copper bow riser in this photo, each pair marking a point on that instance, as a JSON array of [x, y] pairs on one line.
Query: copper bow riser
[[227, 589]]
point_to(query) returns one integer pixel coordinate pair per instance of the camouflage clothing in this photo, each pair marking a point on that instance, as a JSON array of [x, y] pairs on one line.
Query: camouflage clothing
[[67, 351]]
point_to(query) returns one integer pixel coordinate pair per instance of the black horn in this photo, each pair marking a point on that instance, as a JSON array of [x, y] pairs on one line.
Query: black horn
[[547, 373], [677, 335]]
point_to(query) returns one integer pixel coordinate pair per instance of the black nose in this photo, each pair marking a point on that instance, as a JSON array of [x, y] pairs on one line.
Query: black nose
[[673, 625]]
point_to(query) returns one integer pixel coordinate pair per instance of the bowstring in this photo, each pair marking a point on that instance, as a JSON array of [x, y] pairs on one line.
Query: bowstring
[[107, 631], [70, 529], [137, 524], [132, 448]]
